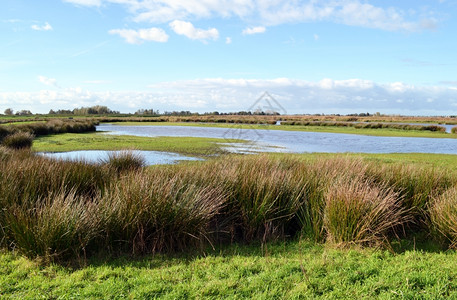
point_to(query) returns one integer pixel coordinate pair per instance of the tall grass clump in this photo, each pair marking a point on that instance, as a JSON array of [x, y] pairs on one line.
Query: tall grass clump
[[148, 212], [5, 154], [127, 160], [57, 227], [454, 129], [18, 140], [4, 132], [416, 185], [318, 176], [356, 212], [267, 197], [443, 217], [28, 178]]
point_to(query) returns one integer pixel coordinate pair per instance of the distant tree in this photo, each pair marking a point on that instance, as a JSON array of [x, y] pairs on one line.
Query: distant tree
[[148, 112], [94, 110], [51, 112], [24, 113], [9, 112]]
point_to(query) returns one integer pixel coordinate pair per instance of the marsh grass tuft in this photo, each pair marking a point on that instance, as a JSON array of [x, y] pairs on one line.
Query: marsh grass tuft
[[126, 160], [443, 217], [18, 140], [356, 212]]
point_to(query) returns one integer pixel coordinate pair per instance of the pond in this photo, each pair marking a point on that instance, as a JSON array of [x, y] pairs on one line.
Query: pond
[[95, 156], [295, 141]]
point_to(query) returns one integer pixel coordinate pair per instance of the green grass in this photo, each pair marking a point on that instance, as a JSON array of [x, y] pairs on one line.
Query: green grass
[[446, 161], [295, 270], [328, 129], [100, 141]]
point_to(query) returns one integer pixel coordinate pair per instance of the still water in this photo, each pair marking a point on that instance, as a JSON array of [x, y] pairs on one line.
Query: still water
[[295, 141], [95, 156]]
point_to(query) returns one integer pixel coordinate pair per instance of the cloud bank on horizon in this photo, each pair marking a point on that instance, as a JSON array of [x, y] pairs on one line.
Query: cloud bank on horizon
[[233, 95], [220, 55]]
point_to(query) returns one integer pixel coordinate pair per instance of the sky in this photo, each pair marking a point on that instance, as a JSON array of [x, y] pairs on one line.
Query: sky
[[314, 56]]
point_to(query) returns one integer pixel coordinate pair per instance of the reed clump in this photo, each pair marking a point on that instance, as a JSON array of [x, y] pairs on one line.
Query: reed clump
[[18, 140], [356, 212], [123, 161], [61, 210], [443, 217]]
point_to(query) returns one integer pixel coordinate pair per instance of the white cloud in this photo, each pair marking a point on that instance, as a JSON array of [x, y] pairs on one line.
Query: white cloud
[[295, 96], [275, 12], [85, 2], [187, 29], [254, 30], [139, 36], [316, 37], [228, 40], [45, 27], [48, 81]]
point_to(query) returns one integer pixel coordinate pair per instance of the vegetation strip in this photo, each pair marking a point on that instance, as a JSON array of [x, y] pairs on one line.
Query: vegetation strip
[[62, 210]]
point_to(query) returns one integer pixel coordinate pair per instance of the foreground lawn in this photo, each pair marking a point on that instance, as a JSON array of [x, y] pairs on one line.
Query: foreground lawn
[[328, 129], [294, 270], [100, 141]]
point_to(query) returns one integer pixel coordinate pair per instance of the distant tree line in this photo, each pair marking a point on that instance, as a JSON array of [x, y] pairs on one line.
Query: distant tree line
[[10, 112], [93, 110]]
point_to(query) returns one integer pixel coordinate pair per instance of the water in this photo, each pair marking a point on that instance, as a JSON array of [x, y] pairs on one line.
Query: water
[[94, 156], [296, 141]]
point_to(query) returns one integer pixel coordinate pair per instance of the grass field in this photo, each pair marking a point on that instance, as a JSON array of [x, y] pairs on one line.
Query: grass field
[[294, 270], [328, 129]]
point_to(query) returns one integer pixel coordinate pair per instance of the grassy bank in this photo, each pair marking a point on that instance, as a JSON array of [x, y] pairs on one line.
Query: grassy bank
[[328, 129], [297, 270], [100, 141]]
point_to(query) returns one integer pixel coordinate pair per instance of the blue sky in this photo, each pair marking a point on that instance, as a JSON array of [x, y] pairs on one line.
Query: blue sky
[[329, 56]]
